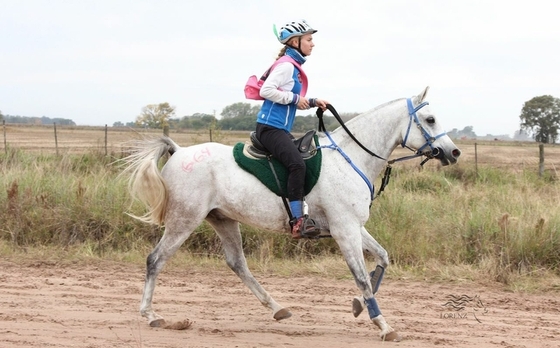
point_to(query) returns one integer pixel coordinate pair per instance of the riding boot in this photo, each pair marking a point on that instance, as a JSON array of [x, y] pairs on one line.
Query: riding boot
[[302, 225]]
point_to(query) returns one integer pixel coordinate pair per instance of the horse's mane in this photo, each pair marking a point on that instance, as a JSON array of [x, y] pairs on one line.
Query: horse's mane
[[371, 111], [382, 106]]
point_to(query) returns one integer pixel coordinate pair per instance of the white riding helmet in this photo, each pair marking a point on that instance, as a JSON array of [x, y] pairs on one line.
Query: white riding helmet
[[293, 29]]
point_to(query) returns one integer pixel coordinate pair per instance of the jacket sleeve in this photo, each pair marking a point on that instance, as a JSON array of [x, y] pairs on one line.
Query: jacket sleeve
[[278, 85]]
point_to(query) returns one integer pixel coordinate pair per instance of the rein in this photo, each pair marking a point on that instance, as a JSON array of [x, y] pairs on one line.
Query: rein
[[386, 176], [341, 122]]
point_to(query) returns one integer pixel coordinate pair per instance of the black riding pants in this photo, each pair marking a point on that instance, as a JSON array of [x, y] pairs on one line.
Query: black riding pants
[[280, 144]]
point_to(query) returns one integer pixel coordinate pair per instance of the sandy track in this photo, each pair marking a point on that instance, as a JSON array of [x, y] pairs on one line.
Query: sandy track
[[44, 304]]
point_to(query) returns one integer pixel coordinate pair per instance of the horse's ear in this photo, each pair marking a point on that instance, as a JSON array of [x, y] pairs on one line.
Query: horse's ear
[[422, 95]]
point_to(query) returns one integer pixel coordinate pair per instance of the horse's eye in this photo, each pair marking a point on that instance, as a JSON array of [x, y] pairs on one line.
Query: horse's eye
[[431, 120]]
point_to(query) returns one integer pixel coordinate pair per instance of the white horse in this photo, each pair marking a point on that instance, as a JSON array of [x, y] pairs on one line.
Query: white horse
[[203, 182]]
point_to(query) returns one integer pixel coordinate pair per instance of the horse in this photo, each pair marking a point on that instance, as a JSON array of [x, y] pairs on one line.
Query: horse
[[203, 182]]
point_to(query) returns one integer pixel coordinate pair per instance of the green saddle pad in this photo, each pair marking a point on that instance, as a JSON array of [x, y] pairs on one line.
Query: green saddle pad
[[260, 168]]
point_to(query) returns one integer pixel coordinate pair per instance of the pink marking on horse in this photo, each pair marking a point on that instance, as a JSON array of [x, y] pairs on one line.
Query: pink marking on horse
[[199, 156]]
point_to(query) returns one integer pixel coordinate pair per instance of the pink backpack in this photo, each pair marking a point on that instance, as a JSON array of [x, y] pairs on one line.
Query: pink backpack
[[253, 86]]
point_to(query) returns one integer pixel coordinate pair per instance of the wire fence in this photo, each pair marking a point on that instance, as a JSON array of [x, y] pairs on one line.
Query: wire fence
[[57, 139], [510, 155]]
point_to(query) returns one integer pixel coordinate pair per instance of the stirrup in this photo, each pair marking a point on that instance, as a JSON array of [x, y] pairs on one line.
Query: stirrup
[[304, 227], [309, 228]]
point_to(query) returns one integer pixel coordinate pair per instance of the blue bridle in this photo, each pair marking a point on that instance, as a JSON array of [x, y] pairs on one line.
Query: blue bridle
[[429, 139]]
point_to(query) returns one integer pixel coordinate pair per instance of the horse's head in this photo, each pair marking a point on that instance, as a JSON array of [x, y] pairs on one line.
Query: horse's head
[[425, 135]]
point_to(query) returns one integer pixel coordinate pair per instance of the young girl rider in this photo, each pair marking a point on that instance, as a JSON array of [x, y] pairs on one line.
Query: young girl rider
[[282, 93]]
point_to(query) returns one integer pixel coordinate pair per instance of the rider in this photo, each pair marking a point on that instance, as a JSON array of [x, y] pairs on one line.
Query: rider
[[282, 95]]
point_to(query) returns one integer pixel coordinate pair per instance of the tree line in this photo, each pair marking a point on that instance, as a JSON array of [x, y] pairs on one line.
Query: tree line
[[237, 116], [35, 120]]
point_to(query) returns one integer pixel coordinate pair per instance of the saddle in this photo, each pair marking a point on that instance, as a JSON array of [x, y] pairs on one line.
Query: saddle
[[305, 145], [255, 159]]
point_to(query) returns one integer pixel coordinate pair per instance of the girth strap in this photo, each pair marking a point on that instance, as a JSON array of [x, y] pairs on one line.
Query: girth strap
[[282, 195]]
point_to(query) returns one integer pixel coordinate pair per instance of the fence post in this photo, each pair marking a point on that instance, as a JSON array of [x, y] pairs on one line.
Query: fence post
[[541, 160], [5, 144], [55, 138], [476, 159], [105, 140]]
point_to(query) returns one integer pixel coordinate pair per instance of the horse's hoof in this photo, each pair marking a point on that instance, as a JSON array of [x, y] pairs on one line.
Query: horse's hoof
[[392, 337], [357, 307], [157, 323], [282, 314]]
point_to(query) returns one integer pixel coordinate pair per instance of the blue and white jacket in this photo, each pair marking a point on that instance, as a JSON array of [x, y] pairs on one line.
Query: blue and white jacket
[[281, 92]]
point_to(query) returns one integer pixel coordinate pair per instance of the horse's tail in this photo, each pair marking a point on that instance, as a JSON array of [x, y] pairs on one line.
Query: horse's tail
[[145, 182]]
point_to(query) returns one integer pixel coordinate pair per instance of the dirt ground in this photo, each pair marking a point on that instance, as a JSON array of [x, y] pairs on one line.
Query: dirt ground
[[47, 304]]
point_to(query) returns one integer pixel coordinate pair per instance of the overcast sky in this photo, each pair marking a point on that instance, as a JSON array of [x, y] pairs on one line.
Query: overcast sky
[[97, 62]]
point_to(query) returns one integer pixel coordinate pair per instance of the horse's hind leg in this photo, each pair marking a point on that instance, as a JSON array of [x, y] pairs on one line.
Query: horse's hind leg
[[230, 235], [173, 237]]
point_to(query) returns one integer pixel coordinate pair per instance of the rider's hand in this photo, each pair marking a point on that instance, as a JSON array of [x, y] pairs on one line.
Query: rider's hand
[[320, 103], [303, 103]]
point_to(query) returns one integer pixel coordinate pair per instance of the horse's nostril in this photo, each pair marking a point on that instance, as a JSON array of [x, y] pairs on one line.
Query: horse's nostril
[[456, 153], [436, 152]]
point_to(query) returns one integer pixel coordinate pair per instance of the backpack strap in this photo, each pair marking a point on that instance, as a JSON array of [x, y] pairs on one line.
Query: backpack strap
[[283, 59]]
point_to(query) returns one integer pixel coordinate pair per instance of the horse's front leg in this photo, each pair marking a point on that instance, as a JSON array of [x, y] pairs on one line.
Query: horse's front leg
[[372, 247], [350, 241]]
